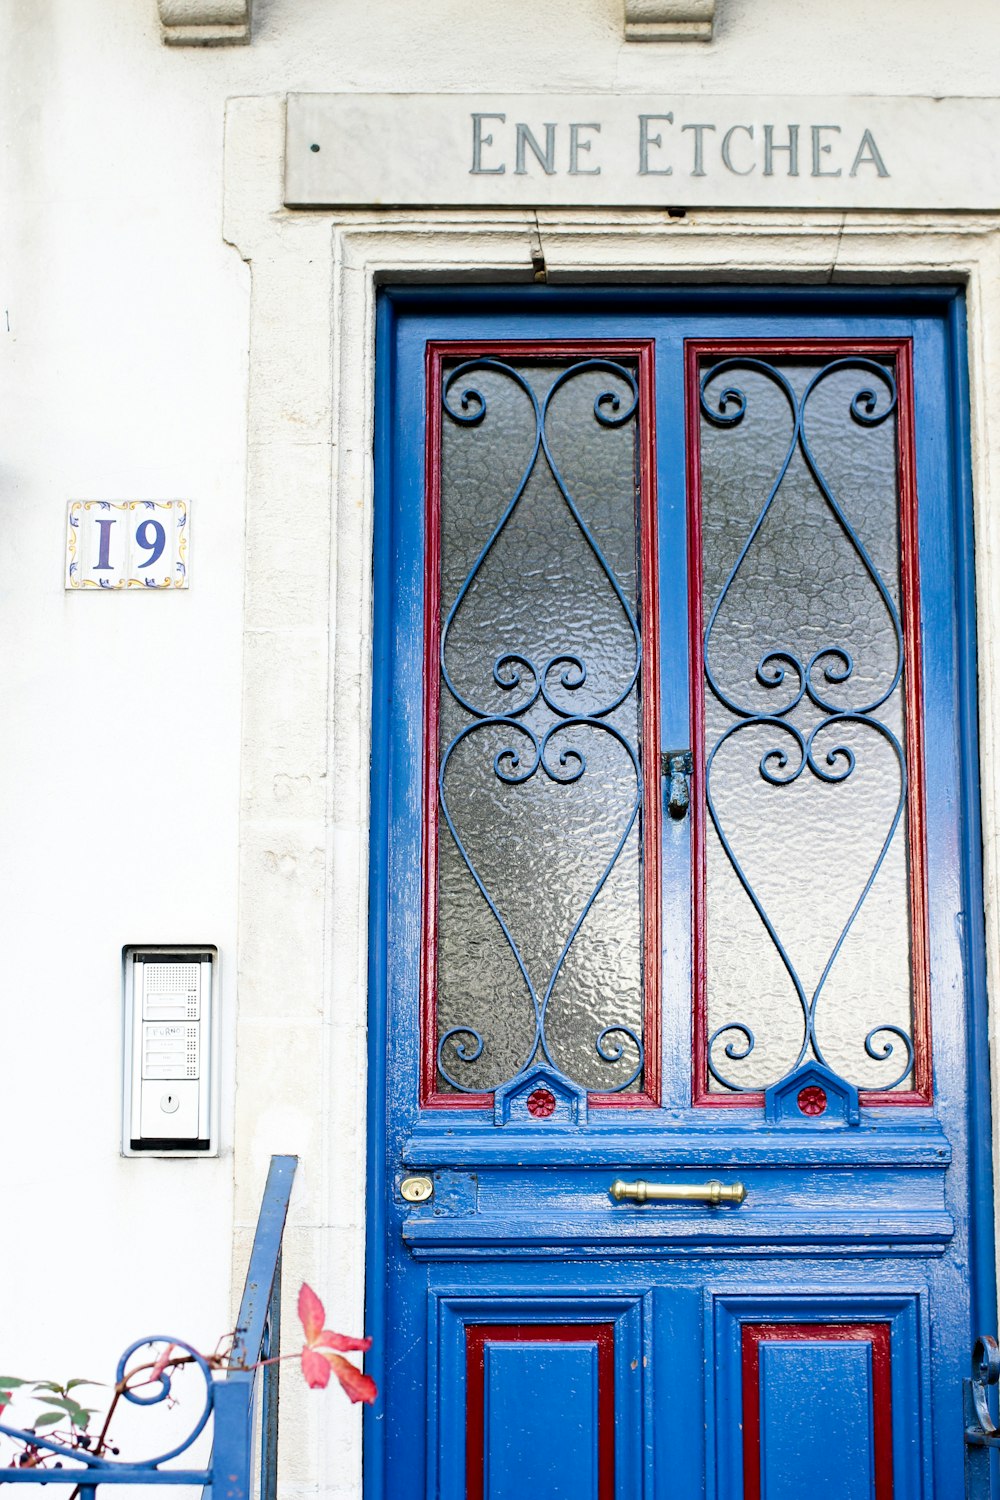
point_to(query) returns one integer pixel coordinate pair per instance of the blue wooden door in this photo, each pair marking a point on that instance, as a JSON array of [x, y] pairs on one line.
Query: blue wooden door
[[680, 1181]]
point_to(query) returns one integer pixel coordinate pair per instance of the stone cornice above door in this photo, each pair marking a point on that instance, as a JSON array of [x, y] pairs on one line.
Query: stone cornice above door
[[205, 23], [669, 20]]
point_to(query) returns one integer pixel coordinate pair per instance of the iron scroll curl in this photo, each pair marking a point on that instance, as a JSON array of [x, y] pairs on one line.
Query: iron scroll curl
[[100, 1466]]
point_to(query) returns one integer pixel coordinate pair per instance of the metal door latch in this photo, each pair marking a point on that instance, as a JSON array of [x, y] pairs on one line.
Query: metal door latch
[[981, 1432], [677, 766]]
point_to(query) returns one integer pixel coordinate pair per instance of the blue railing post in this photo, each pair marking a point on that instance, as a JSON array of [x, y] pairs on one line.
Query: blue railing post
[[265, 1255], [258, 1334], [233, 1432], [269, 1398]]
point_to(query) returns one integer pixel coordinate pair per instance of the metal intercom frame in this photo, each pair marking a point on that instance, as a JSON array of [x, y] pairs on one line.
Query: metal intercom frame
[[183, 1024]]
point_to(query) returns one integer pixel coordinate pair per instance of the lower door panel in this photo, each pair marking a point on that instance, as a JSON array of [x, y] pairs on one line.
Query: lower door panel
[[765, 1382]]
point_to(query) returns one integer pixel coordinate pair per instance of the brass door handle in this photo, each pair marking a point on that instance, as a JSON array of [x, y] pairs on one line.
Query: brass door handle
[[682, 1192]]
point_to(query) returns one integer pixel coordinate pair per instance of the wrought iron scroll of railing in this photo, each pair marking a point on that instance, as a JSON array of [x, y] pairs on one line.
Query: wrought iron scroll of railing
[[231, 1404], [981, 1432]]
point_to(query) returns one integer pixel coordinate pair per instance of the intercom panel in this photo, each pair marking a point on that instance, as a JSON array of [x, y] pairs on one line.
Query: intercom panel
[[169, 1052]]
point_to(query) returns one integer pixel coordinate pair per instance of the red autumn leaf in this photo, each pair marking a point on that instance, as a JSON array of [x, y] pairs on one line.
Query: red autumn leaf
[[330, 1340], [311, 1312], [357, 1386], [318, 1356], [315, 1368]]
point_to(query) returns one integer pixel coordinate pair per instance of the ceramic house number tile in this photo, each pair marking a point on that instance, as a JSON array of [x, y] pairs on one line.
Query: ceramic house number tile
[[127, 544]]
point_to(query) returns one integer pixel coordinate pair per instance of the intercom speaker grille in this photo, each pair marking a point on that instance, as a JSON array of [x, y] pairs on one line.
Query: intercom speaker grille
[[171, 979]]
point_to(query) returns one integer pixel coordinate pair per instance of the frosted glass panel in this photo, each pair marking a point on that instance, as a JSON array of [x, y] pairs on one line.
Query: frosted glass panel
[[539, 877], [808, 920]]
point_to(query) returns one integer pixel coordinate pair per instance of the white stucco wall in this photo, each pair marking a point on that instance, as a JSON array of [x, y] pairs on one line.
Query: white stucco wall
[[125, 324]]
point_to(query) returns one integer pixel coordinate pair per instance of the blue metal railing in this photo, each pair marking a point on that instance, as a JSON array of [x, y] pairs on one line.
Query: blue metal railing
[[231, 1403], [258, 1329]]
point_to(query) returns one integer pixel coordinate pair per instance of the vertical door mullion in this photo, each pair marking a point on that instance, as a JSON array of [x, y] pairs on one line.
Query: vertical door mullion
[[675, 713]]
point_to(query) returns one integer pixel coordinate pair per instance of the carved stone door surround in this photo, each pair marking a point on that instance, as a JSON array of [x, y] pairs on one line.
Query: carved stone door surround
[[308, 604]]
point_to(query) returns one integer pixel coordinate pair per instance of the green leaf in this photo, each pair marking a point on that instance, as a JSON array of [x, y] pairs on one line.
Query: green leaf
[[48, 1417], [48, 1385], [71, 1383], [10, 1382], [78, 1415]]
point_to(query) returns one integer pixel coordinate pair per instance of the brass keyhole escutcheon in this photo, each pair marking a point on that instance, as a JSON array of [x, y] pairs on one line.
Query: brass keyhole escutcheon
[[416, 1189]]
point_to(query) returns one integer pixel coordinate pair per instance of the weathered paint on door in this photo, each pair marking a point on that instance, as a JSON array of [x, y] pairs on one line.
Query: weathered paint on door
[[534, 1333]]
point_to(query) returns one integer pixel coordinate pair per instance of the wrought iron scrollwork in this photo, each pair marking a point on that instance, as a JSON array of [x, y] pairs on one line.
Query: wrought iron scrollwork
[[90, 1469], [556, 752], [829, 750]]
